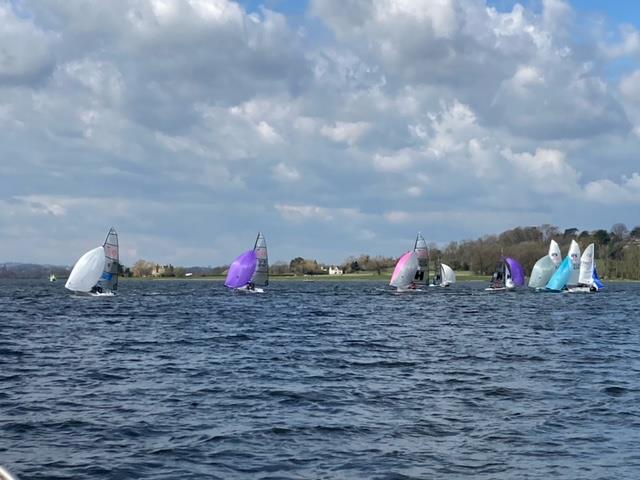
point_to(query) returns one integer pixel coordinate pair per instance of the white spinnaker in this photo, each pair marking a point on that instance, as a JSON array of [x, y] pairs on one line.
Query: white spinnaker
[[87, 271], [574, 254], [586, 266], [542, 271], [447, 275], [554, 253]]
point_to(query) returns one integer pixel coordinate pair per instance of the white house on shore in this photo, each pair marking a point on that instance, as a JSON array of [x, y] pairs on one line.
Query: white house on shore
[[335, 270]]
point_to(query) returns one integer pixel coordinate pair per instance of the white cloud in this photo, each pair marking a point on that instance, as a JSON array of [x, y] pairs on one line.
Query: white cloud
[[398, 216], [399, 162], [268, 133], [611, 193], [345, 132], [547, 171], [26, 49], [285, 173]]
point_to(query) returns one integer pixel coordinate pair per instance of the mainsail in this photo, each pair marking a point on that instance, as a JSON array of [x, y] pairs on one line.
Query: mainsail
[[261, 274], [86, 271], [554, 253], [109, 279], [574, 255], [586, 266], [405, 271], [422, 253], [447, 275], [242, 270]]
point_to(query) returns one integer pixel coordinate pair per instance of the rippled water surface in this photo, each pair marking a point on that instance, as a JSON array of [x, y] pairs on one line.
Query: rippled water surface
[[184, 379]]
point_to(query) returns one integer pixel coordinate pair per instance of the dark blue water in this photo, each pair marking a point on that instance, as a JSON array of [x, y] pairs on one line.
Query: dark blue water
[[318, 380]]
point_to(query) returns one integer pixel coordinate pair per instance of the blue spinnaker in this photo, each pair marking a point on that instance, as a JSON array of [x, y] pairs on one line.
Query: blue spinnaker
[[559, 279], [596, 279]]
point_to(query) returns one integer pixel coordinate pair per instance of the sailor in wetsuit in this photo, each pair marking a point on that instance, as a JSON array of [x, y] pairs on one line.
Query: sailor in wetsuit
[[251, 286], [96, 289]]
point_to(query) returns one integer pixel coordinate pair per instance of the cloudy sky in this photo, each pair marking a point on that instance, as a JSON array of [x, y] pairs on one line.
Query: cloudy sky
[[335, 127]]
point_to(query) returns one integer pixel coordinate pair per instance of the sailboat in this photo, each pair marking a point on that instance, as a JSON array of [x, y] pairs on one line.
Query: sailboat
[[545, 267], [508, 275], [574, 255], [444, 277], [52, 277], [404, 274], [588, 280], [250, 270], [422, 253], [96, 272]]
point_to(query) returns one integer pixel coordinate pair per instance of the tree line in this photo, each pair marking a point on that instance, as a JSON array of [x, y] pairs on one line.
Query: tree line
[[617, 254]]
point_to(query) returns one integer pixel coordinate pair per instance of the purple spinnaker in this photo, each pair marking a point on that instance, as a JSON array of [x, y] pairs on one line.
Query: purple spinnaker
[[241, 270], [517, 272]]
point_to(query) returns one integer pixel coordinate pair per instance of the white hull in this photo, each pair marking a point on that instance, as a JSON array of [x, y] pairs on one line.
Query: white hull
[[94, 294], [581, 290], [498, 289], [253, 290]]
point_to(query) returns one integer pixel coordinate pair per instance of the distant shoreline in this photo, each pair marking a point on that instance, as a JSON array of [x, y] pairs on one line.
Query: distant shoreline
[[357, 277], [349, 277]]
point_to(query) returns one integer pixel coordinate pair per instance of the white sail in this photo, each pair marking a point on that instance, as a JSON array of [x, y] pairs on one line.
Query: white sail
[[405, 271], [586, 266], [87, 271], [542, 271], [447, 274], [554, 253], [574, 254]]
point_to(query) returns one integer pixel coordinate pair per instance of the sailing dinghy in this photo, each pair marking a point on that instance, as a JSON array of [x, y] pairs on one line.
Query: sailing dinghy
[[508, 276], [250, 270], [588, 280], [96, 272], [445, 276], [404, 273]]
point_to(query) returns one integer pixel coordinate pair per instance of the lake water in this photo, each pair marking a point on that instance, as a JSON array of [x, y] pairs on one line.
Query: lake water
[[187, 380]]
